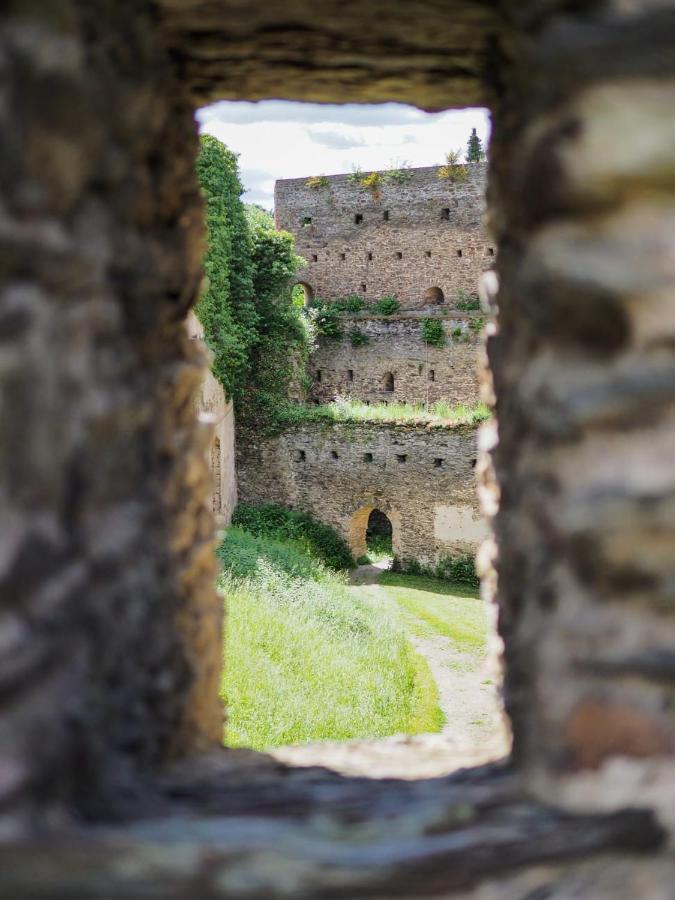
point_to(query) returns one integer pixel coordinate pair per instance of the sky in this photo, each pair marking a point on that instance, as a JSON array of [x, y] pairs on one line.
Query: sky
[[283, 139]]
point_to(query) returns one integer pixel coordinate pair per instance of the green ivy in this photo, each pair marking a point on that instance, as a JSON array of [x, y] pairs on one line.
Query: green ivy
[[433, 332], [358, 338]]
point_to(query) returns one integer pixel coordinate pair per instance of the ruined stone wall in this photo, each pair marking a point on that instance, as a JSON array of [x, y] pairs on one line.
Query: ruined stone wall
[[215, 411], [402, 240], [421, 372], [421, 477]]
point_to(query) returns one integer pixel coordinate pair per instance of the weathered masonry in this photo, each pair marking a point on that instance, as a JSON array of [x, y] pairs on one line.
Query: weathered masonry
[[391, 361], [110, 627], [214, 410], [423, 479], [420, 239]]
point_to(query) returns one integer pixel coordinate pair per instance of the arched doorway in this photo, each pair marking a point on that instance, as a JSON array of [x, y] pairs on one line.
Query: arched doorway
[[375, 525], [388, 383], [379, 536], [434, 296], [303, 293]]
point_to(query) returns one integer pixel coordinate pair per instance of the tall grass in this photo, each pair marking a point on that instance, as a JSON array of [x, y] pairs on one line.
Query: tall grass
[[307, 658], [347, 410]]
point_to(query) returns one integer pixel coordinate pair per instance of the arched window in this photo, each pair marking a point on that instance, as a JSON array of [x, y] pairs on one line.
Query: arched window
[[434, 295], [388, 382]]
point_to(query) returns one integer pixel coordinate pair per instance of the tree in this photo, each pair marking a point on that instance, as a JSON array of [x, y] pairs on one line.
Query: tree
[[475, 152]]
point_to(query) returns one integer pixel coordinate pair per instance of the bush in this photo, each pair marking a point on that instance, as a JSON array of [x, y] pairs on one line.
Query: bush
[[454, 170], [461, 569], [433, 332], [466, 302], [386, 306], [315, 182], [358, 338], [278, 522]]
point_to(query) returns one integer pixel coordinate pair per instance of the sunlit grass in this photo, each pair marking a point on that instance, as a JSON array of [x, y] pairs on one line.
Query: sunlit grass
[[347, 410]]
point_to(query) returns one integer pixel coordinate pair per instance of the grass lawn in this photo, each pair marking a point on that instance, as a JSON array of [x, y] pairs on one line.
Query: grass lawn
[[453, 610], [308, 659]]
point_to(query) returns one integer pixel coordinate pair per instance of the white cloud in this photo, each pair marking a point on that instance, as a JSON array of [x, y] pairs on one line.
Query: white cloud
[[279, 139]]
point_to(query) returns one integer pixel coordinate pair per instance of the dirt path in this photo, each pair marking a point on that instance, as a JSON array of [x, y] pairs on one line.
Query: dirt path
[[472, 734]]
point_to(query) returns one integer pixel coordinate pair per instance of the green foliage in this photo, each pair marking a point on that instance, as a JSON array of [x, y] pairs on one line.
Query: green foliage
[[455, 569], [291, 414], [475, 152], [466, 301], [371, 182], [356, 175], [457, 333], [453, 170], [400, 172], [327, 322], [317, 540], [240, 553], [433, 332], [316, 182], [358, 338], [477, 324], [386, 306], [226, 307]]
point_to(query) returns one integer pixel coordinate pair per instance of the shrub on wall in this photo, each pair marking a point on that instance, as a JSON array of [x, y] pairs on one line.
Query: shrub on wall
[[358, 338], [466, 302], [453, 170], [386, 306], [433, 332], [316, 182], [321, 541]]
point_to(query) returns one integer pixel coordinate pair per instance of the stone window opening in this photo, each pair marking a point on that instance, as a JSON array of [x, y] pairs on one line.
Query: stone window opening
[[445, 214], [434, 296], [334, 454], [358, 219], [299, 456], [370, 256], [350, 374], [438, 462], [385, 215], [432, 375], [401, 458], [491, 251], [363, 287], [473, 463], [460, 253], [306, 220], [399, 255], [343, 256], [388, 382], [368, 457], [427, 253], [315, 257], [318, 375]]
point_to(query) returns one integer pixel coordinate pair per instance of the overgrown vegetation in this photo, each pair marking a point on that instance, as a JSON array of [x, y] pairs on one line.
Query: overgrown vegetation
[[466, 302], [386, 306], [255, 330], [346, 410], [316, 182], [358, 338], [307, 658], [457, 569], [474, 151], [280, 523], [454, 170], [433, 332]]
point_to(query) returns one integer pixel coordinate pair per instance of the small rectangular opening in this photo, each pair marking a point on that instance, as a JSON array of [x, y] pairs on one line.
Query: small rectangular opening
[[358, 219], [491, 251], [363, 287], [459, 253], [401, 457], [350, 374], [315, 258], [368, 457], [299, 455], [428, 254], [318, 375], [306, 220], [385, 215], [438, 463], [334, 454], [343, 256], [370, 256], [445, 214], [399, 255], [432, 375]]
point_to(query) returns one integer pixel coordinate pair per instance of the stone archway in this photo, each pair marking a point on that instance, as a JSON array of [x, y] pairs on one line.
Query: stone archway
[[358, 525], [434, 296], [307, 290]]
